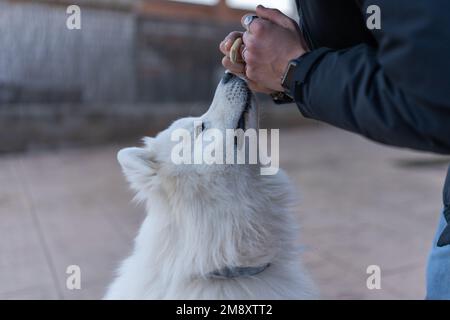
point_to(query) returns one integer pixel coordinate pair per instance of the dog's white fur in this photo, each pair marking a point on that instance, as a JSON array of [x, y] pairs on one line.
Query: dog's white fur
[[202, 218]]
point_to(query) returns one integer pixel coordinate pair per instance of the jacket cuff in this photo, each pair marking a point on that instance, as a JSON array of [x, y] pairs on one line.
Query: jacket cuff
[[305, 64]]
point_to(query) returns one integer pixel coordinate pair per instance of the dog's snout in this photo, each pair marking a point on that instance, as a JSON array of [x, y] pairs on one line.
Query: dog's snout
[[227, 77]]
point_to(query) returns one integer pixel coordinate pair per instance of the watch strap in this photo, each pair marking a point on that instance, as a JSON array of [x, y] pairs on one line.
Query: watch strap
[[304, 64]]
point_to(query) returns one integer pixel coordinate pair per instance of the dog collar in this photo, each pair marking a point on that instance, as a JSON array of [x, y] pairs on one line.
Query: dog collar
[[235, 272]]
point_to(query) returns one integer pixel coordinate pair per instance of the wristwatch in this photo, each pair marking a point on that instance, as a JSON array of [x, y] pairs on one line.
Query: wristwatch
[[288, 77], [287, 82]]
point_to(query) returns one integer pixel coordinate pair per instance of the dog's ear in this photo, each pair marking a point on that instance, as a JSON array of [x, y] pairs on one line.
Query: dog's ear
[[138, 165]]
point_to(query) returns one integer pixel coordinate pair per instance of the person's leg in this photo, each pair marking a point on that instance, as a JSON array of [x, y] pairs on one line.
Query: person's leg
[[438, 270]]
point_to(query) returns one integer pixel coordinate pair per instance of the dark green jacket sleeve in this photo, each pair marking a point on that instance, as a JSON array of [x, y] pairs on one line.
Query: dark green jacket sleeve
[[398, 92]]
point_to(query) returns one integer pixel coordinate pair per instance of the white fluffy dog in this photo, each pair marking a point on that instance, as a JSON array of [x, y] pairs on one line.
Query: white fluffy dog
[[211, 231]]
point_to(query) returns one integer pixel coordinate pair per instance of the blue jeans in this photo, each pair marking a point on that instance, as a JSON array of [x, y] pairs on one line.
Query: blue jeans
[[438, 270]]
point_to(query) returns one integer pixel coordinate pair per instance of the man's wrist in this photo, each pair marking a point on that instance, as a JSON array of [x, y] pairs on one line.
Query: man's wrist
[[288, 82]]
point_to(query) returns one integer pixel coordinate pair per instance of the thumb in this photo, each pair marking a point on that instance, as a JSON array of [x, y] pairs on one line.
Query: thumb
[[275, 16]]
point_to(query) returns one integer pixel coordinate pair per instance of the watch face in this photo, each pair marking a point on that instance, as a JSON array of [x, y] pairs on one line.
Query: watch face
[[288, 76]]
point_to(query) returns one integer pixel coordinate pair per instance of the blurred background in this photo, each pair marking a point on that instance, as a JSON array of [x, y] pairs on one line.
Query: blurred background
[[70, 99]]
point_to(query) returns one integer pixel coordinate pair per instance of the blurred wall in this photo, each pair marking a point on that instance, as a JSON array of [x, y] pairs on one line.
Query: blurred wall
[[177, 60], [133, 63], [120, 55], [44, 62]]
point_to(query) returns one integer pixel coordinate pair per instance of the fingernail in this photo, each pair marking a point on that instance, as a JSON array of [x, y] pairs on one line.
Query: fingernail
[[261, 6]]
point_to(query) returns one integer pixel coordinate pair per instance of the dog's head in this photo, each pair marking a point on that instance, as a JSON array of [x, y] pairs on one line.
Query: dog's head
[[192, 153]]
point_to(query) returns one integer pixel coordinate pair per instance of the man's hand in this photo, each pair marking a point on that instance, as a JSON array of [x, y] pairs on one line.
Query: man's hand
[[269, 44], [238, 68]]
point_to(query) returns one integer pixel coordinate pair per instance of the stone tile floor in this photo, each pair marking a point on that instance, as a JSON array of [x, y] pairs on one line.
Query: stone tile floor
[[362, 204]]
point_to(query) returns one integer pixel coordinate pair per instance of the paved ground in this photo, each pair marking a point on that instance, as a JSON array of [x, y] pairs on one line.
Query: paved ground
[[362, 204]]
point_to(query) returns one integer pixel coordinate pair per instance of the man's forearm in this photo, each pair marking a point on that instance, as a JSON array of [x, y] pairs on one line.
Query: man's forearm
[[348, 89]]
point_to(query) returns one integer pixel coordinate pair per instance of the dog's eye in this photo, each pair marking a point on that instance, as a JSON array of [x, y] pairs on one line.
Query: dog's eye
[[199, 129]]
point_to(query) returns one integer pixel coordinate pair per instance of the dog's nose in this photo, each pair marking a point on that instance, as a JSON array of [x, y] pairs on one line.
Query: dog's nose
[[227, 77]]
